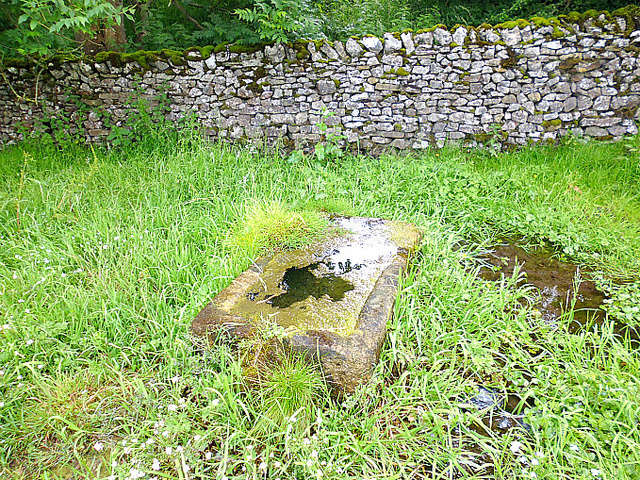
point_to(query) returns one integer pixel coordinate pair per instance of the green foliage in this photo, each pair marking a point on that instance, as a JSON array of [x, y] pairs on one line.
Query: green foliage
[[146, 120], [623, 302], [276, 20], [342, 19], [39, 28], [331, 149]]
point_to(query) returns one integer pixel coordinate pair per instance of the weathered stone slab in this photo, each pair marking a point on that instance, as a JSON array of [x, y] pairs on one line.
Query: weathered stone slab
[[331, 300]]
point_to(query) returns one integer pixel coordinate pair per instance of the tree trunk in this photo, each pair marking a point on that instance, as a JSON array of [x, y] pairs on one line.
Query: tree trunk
[[103, 38]]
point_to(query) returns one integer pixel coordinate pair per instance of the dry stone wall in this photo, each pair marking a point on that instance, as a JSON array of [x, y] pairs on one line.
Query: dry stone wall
[[520, 83]]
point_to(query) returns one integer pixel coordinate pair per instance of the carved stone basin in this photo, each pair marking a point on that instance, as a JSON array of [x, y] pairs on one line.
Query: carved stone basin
[[330, 300]]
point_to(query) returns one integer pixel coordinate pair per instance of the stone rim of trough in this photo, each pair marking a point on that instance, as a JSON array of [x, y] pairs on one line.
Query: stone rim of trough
[[346, 361]]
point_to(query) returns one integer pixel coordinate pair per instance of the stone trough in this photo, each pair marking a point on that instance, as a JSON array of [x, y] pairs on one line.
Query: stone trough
[[330, 301]]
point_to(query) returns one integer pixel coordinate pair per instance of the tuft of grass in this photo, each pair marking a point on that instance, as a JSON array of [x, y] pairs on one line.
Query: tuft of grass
[[273, 224], [289, 391], [68, 410]]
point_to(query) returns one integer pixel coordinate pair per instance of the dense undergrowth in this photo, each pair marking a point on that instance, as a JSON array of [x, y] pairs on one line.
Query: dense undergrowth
[[107, 255]]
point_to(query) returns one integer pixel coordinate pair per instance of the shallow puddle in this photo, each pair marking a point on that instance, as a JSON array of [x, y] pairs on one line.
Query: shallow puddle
[[500, 410], [301, 283], [555, 281]]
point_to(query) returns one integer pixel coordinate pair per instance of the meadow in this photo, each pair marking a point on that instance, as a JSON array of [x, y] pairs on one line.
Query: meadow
[[106, 255]]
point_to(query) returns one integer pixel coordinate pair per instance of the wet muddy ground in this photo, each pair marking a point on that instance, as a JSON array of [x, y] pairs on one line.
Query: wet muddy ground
[[558, 288], [556, 283]]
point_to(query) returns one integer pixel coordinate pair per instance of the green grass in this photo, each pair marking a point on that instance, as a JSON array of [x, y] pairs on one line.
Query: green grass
[[105, 259]]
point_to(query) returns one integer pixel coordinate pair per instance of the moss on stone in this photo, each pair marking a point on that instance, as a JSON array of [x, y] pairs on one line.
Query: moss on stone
[[393, 72], [570, 63], [302, 52], [520, 23], [512, 59], [483, 137], [237, 48], [143, 58], [628, 112], [551, 124]]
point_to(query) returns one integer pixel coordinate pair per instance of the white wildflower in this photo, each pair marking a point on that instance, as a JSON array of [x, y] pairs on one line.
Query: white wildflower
[[515, 446], [172, 407], [155, 465], [134, 474], [168, 450], [574, 448], [208, 455], [98, 446], [595, 472]]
